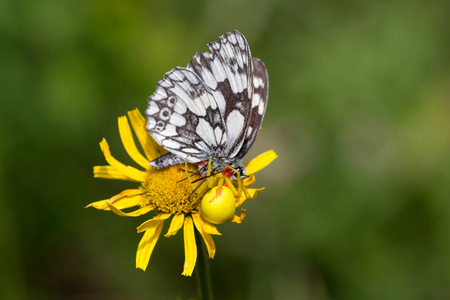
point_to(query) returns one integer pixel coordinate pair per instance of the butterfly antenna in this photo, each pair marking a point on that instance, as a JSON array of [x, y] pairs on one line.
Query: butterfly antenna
[[190, 172], [196, 188], [204, 177], [187, 174]]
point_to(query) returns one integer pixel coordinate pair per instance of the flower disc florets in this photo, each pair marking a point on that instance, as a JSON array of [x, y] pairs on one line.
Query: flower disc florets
[[168, 190]]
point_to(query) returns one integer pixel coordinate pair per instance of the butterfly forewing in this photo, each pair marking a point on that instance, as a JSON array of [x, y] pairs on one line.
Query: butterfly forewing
[[227, 71], [259, 105]]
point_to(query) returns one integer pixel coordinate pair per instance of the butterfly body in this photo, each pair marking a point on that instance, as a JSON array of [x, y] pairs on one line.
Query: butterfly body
[[211, 110]]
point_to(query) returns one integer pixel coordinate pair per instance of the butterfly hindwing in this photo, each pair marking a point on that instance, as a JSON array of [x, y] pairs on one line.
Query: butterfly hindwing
[[183, 116]]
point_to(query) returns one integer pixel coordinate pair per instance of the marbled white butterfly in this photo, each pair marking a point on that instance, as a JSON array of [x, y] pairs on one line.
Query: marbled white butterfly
[[213, 108]]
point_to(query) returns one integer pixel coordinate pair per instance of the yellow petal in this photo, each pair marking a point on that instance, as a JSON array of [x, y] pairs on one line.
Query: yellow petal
[[249, 180], [206, 236], [128, 143], [124, 195], [109, 172], [260, 162], [239, 219], [175, 225], [131, 172], [136, 213], [252, 192], [128, 202], [208, 227], [102, 204], [190, 248], [125, 199], [151, 148], [147, 244], [150, 223]]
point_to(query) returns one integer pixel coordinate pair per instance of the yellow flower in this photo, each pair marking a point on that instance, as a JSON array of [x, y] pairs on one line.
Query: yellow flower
[[170, 192]]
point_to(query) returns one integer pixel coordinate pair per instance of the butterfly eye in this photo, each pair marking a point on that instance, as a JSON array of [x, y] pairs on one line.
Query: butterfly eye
[[160, 126], [165, 113], [172, 101]]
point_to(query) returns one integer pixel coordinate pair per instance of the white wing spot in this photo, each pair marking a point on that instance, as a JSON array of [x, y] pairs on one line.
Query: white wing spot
[[192, 78], [191, 103], [207, 101], [191, 150], [235, 125], [261, 108], [220, 101], [159, 94], [170, 130], [165, 84], [218, 71], [241, 42], [218, 134], [177, 120], [209, 79], [152, 108], [180, 107], [215, 45], [205, 132], [258, 82], [170, 144], [256, 100], [249, 131], [232, 38], [151, 123]]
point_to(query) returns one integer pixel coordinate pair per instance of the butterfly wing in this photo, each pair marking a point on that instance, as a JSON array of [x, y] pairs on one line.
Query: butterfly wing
[[228, 72], [183, 117], [259, 105]]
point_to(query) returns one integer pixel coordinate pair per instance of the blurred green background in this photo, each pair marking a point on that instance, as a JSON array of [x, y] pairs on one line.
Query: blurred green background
[[356, 206]]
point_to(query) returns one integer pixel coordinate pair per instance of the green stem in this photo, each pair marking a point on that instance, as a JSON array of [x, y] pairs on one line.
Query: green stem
[[202, 270]]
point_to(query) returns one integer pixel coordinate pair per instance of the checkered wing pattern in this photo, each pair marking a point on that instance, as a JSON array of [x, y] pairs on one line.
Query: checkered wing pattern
[[214, 107]]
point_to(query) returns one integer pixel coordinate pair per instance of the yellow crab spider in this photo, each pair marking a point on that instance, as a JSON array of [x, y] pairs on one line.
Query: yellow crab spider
[[219, 203]]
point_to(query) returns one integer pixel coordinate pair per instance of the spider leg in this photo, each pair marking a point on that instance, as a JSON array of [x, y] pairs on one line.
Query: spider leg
[[231, 187], [241, 187], [208, 179]]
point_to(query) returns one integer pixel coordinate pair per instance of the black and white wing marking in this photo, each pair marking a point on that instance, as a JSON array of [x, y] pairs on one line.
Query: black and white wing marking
[[183, 117], [259, 105], [228, 72], [206, 108]]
